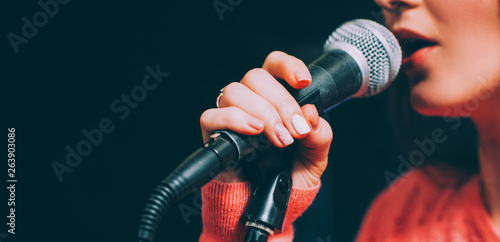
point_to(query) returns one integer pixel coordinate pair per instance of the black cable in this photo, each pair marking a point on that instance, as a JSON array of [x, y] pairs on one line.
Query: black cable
[[194, 172], [157, 205]]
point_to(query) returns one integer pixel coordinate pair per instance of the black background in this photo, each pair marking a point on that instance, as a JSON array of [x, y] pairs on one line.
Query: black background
[[65, 78]]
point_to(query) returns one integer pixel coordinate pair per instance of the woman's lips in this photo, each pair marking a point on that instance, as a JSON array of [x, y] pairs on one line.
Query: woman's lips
[[418, 58], [416, 47]]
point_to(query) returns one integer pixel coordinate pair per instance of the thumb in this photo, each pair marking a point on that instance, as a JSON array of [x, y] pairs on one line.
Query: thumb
[[317, 143], [312, 156]]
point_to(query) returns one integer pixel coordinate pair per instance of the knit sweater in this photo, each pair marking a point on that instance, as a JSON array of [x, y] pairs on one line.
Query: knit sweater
[[427, 204], [430, 204], [224, 203]]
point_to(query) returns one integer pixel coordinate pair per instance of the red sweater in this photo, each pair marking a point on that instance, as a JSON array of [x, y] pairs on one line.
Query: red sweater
[[224, 203], [427, 204], [430, 204]]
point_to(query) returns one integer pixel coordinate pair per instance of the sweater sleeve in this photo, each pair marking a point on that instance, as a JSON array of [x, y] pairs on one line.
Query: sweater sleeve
[[224, 203]]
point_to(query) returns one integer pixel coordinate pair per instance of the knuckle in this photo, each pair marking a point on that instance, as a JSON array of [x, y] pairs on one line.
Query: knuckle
[[205, 118], [275, 55], [269, 114], [299, 64], [230, 88], [256, 73], [287, 107], [295, 64], [230, 91]]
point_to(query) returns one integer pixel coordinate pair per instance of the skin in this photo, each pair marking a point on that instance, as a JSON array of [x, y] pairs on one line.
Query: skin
[[461, 77], [462, 69], [249, 107]]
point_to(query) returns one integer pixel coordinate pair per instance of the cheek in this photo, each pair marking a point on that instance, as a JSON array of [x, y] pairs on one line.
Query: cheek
[[469, 29], [466, 67], [463, 12]]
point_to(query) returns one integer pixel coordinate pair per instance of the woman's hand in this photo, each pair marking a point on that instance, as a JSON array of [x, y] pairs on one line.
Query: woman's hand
[[259, 103]]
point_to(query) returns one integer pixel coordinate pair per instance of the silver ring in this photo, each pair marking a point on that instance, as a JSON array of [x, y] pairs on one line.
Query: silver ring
[[217, 102]]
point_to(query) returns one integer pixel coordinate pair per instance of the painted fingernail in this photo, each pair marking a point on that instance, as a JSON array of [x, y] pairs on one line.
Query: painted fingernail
[[300, 124], [283, 135], [303, 78]]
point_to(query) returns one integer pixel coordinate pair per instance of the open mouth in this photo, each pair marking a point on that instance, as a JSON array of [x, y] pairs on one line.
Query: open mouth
[[410, 46], [417, 48]]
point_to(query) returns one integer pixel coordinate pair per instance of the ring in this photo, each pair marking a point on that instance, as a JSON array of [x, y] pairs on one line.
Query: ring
[[217, 102]]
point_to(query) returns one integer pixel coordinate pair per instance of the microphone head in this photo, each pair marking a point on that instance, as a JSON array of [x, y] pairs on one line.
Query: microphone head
[[374, 48]]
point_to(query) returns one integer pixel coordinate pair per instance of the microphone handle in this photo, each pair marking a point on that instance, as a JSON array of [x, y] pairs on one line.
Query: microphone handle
[[335, 77]]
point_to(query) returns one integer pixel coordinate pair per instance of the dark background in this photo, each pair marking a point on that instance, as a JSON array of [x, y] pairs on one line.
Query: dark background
[[65, 78]]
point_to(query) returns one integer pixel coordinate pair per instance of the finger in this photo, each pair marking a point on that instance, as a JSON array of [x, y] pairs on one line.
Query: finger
[[231, 118], [311, 113], [239, 95], [288, 68], [316, 145], [312, 158], [265, 85]]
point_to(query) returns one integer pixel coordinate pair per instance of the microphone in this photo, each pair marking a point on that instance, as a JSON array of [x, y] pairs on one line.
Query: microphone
[[360, 59]]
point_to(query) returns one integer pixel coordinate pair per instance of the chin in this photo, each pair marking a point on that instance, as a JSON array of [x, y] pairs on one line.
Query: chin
[[427, 107], [439, 99], [451, 90]]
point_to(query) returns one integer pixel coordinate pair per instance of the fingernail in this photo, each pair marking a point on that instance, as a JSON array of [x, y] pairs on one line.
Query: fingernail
[[303, 78], [256, 124], [300, 125], [283, 135]]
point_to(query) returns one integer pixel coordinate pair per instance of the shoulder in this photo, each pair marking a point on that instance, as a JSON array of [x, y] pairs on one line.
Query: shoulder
[[421, 184], [416, 198]]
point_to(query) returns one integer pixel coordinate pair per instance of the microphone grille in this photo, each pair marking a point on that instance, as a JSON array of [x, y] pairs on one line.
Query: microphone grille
[[379, 47]]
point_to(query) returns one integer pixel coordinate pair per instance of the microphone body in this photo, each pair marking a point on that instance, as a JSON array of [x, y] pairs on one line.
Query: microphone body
[[335, 77], [361, 59]]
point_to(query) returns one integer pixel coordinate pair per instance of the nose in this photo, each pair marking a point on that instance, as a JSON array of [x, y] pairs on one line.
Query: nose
[[397, 6]]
